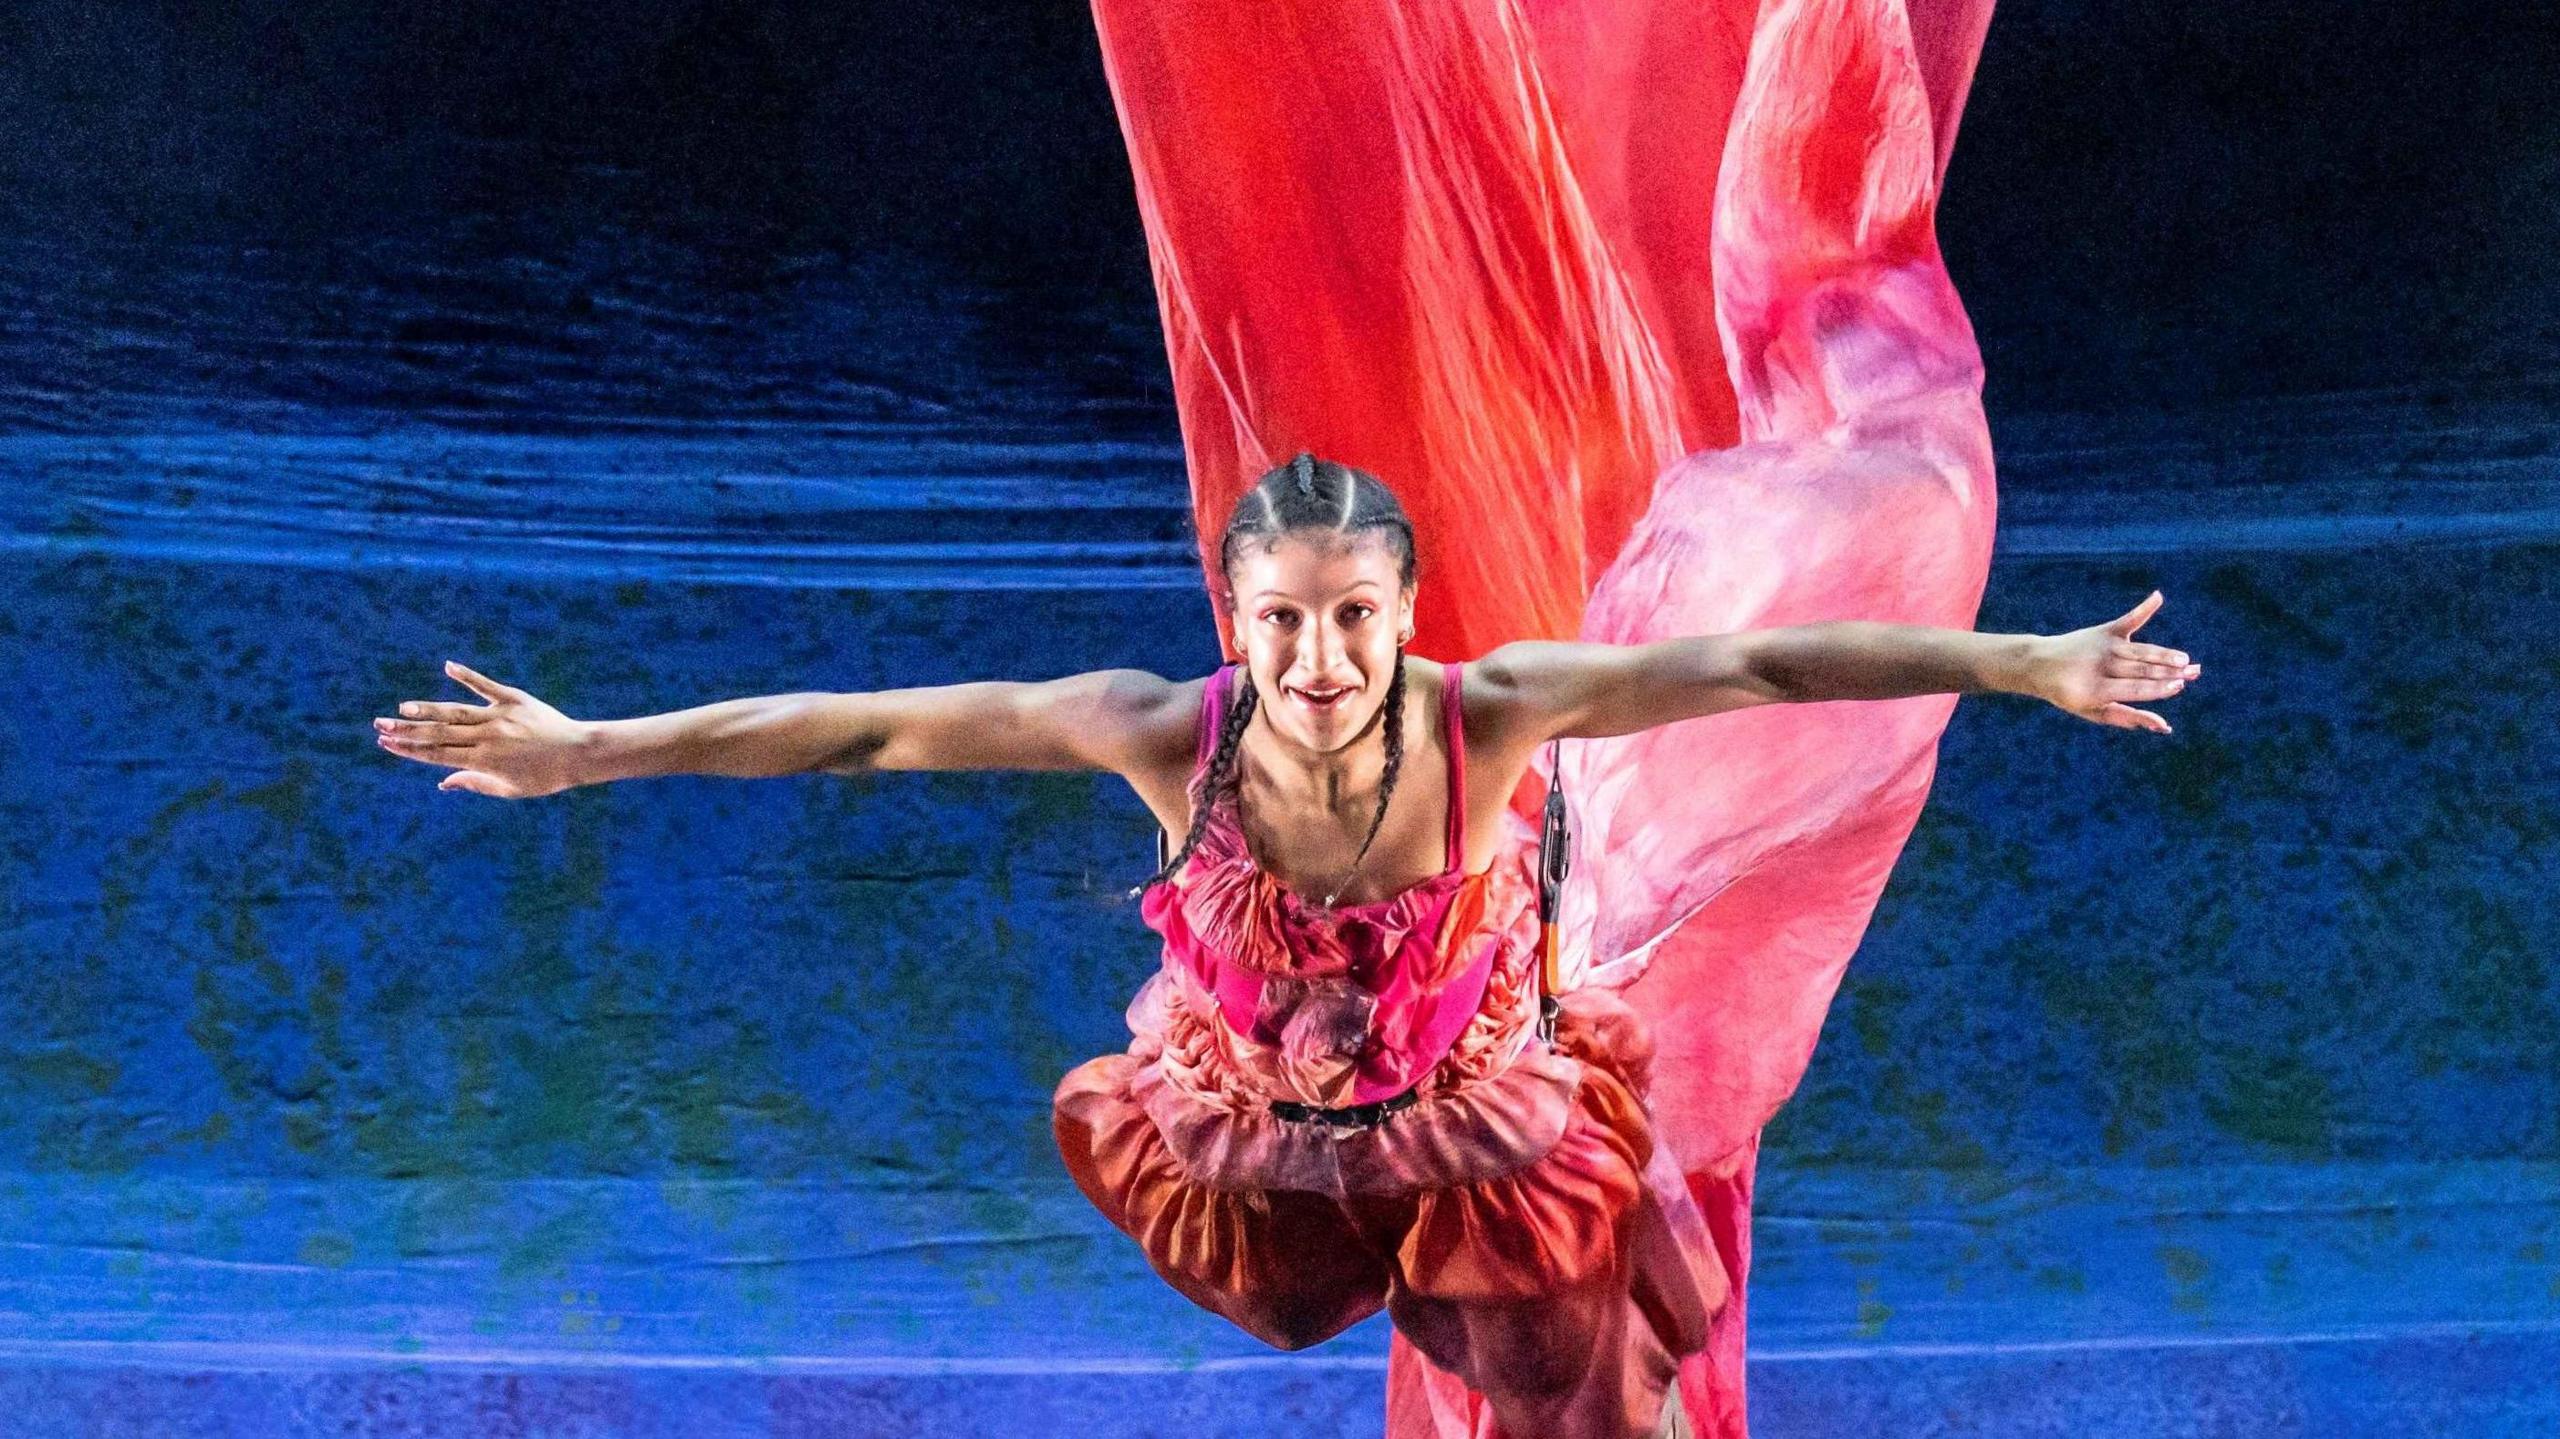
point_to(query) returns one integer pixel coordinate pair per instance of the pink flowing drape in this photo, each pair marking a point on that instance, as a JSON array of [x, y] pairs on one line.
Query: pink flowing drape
[[1640, 310]]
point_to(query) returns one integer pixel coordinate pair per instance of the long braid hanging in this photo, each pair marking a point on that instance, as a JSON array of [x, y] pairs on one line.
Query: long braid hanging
[[1223, 763]]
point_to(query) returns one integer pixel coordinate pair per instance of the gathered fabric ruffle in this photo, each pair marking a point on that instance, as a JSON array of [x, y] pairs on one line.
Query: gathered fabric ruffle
[[1508, 1184], [1427, 987], [1493, 1104]]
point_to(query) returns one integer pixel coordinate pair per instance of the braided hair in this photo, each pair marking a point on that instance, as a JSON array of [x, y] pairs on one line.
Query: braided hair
[[1304, 494]]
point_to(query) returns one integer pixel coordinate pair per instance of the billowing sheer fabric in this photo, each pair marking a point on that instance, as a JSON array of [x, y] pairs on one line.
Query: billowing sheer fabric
[[1639, 308]]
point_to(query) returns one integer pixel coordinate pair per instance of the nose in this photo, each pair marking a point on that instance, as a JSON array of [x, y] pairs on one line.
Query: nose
[[1321, 648]]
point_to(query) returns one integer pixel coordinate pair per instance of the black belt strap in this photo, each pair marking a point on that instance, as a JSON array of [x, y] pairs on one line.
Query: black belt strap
[[1356, 1116]]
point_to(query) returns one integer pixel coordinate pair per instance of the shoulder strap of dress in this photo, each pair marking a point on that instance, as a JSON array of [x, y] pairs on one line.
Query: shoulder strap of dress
[[1453, 719], [1213, 713]]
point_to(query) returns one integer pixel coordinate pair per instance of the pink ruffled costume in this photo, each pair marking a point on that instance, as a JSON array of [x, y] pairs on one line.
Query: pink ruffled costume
[[1512, 1217]]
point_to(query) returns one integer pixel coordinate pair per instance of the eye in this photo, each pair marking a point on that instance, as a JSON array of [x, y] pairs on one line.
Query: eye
[[1353, 614], [1281, 617]]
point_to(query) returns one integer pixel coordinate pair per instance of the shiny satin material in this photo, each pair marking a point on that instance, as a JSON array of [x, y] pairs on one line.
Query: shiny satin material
[[1525, 1216]]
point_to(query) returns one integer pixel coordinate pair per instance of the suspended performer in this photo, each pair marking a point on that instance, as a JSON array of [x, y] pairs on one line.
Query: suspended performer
[[1339, 1099], [1406, 1050]]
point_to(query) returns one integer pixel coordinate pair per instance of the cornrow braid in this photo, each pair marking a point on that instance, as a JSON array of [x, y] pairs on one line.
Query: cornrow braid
[[1211, 780], [1322, 496]]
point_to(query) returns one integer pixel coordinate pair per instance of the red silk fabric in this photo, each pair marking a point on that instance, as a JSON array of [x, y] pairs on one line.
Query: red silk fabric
[[1639, 309]]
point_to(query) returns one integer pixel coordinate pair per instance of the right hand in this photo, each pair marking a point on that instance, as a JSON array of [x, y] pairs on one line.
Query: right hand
[[514, 747]]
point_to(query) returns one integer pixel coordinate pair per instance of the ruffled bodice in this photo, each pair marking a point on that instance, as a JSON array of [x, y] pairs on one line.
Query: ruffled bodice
[[1488, 1102], [1340, 1009]]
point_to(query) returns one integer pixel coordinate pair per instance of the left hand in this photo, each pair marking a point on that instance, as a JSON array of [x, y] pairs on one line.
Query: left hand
[[2094, 672]]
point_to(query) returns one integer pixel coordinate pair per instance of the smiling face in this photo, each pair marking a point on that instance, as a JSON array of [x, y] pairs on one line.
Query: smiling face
[[1317, 619]]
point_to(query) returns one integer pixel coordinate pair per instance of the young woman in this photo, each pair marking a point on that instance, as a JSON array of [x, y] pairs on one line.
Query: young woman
[[1336, 1101], [1338, 1097]]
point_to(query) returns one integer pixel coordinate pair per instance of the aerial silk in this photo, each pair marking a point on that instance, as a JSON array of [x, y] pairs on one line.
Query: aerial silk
[[1639, 309]]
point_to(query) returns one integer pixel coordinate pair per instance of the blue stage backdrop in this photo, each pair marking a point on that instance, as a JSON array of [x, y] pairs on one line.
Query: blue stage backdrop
[[643, 357]]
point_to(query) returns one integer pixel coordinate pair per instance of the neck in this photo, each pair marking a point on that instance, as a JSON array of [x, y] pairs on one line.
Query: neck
[[1329, 778]]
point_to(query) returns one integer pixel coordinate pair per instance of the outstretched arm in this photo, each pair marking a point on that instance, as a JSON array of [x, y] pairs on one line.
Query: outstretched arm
[[518, 747], [1546, 688], [1084, 721]]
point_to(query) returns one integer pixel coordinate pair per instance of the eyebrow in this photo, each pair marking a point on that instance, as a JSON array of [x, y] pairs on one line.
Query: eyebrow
[[1356, 587]]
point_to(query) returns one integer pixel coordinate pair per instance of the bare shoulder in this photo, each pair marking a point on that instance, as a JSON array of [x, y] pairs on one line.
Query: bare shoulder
[[1145, 728], [1504, 721], [1130, 720], [1504, 702]]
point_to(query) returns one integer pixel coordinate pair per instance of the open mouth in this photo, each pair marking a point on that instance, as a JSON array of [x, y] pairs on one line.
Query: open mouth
[[1322, 700]]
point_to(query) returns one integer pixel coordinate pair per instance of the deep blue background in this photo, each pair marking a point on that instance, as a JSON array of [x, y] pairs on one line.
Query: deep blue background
[[650, 355], [2150, 203]]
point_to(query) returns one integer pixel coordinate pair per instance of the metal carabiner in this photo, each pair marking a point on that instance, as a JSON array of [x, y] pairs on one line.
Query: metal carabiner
[[1555, 860]]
